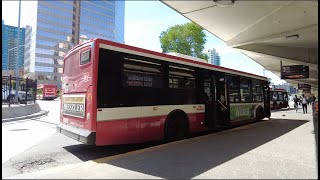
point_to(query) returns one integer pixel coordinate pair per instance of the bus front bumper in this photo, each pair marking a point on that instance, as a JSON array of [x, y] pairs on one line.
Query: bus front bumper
[[82, 135]]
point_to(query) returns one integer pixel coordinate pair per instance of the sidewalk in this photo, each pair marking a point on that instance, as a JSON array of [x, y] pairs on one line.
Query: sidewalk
[[21, 111], [283, 147], [35, 115]]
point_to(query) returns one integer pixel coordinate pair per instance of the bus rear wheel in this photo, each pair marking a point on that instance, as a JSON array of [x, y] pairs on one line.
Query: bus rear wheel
[[176, 128]]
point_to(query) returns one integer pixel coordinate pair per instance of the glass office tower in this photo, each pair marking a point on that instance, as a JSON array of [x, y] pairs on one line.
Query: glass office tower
[[9, 47], [54, 27]]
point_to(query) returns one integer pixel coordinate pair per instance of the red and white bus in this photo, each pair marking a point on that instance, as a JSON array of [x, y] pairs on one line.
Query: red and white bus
[[47, 91], [118, 94], [279, 99]]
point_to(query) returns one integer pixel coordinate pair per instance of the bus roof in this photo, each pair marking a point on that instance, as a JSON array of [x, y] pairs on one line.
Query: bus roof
[[162, 56]]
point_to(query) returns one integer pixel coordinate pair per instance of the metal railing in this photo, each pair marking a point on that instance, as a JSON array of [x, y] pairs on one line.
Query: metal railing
[[26, 91]]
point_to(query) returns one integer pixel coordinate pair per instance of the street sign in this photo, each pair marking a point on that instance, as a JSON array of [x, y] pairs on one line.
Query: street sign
[[295, 72], [304, 87]]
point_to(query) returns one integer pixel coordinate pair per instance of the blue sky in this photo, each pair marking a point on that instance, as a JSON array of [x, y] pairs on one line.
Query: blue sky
[[145, 20]]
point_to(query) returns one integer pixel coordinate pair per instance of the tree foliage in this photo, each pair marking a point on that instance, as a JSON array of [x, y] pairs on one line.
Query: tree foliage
[[188, 39]]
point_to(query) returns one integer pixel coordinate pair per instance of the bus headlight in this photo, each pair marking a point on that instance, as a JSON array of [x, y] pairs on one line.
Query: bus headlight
[[88, 116]]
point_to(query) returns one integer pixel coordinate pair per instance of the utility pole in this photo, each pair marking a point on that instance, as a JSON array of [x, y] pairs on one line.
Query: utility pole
[[18, 48]]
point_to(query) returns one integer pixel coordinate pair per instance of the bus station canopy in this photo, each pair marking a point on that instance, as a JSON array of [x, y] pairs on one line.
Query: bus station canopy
[[269, 32]]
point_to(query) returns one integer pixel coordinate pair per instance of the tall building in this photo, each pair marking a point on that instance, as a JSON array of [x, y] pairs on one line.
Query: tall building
[[214, 57], [54, 27], [9, 47]]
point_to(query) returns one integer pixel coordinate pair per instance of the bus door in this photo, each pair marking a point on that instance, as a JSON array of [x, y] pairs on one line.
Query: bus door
[[209, 92], [222, 105], [266, 101]]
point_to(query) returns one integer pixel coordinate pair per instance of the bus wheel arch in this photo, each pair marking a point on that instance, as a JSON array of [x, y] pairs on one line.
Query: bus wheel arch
[[176, 126], [259, 113]]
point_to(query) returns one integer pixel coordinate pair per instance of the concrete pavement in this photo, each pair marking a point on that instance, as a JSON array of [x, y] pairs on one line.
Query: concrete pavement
[[283, 147], [18, 136], [30, 116], [21, 111], [22, 132]]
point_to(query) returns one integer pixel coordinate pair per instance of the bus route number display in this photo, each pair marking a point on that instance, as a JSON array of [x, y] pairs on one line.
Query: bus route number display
[[295, 72]]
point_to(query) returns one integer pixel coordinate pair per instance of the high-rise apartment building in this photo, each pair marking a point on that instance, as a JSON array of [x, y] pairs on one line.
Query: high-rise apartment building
[[54, 27], [9, 47], [214, 57]]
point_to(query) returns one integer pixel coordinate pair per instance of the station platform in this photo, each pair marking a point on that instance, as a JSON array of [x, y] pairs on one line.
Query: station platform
[[283, 147]]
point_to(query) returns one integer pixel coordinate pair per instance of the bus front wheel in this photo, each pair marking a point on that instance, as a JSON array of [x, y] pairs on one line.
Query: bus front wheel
[[176, 127]]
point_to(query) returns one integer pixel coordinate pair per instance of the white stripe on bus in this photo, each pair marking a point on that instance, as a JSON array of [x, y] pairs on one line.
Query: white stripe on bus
[[242, 104], [114, 48], [107, 114]]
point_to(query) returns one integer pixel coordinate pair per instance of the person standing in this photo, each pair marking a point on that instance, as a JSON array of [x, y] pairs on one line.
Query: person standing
[[304, 104], [313, 99]]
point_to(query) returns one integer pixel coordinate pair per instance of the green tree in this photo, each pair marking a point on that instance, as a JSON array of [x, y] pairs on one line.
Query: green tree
[[188, 39]]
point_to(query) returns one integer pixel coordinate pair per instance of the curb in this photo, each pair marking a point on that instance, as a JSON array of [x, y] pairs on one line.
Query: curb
[[41, 113]]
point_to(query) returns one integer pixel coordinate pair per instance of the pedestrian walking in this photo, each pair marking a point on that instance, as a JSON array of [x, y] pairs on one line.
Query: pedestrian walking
[[313, 99], [304, 104], [296, 101]]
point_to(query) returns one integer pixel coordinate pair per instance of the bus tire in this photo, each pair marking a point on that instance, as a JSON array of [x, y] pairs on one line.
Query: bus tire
[[259, 113], [280, 106], [176, 126]]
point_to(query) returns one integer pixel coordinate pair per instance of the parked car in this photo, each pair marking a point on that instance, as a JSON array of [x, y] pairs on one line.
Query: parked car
[[6, 96]]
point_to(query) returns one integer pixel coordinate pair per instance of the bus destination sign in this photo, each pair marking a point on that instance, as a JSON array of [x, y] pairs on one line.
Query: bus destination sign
[[295, 72]]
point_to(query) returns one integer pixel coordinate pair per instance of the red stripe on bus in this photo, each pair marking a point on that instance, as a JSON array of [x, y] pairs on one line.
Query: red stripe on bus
[[137, 130]]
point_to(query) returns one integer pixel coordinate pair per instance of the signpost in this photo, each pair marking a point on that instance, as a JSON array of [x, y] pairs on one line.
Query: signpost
[[295, 72]]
